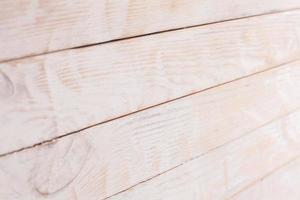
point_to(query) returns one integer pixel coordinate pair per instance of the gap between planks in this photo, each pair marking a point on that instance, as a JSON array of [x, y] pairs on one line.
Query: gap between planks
[[215, 148], [274, 171], [209, 57], [148, 34], [53, 140], [262, 81]]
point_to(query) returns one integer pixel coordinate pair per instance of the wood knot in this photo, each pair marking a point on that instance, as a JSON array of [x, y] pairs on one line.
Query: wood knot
[[6, 86], [59, 164]]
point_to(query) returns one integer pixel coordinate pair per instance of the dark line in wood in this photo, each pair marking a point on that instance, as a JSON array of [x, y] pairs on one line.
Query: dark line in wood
[[276, 169], [149, 34], [53, 140], [203, 154]]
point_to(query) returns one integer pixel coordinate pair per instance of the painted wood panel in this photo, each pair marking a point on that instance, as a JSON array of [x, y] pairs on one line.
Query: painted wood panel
[[229, 169], [29, 27], [282, 183], [55, 94], [106, 159]]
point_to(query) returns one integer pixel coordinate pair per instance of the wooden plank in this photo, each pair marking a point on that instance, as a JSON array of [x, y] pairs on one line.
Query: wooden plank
[[114, 156], [52, 95], [281, 184], [29, 27], [219, 174]]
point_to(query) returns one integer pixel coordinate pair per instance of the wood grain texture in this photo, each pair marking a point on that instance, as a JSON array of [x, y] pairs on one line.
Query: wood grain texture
[[30, 27], [283, 183], [55, 94], [114, 156], [225, 171]]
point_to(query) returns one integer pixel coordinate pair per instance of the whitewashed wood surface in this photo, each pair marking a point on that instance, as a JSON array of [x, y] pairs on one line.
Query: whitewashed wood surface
[[29, 27], [52, 95], [253, 112], [229, 169], [282, 183]]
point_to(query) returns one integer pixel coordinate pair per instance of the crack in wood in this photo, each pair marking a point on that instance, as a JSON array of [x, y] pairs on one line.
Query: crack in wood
[[149, 34], [53, 140]]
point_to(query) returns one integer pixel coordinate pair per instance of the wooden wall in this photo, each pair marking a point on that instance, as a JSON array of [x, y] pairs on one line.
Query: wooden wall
[[154, 100]]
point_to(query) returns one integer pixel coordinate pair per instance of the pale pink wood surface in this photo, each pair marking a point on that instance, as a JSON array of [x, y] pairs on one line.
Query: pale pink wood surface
[[48, 96]]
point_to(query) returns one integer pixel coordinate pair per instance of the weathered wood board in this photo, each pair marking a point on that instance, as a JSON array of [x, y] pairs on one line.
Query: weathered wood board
[[229, 169], [52, 95], [282, 183], [29, 27], [239, 131]]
